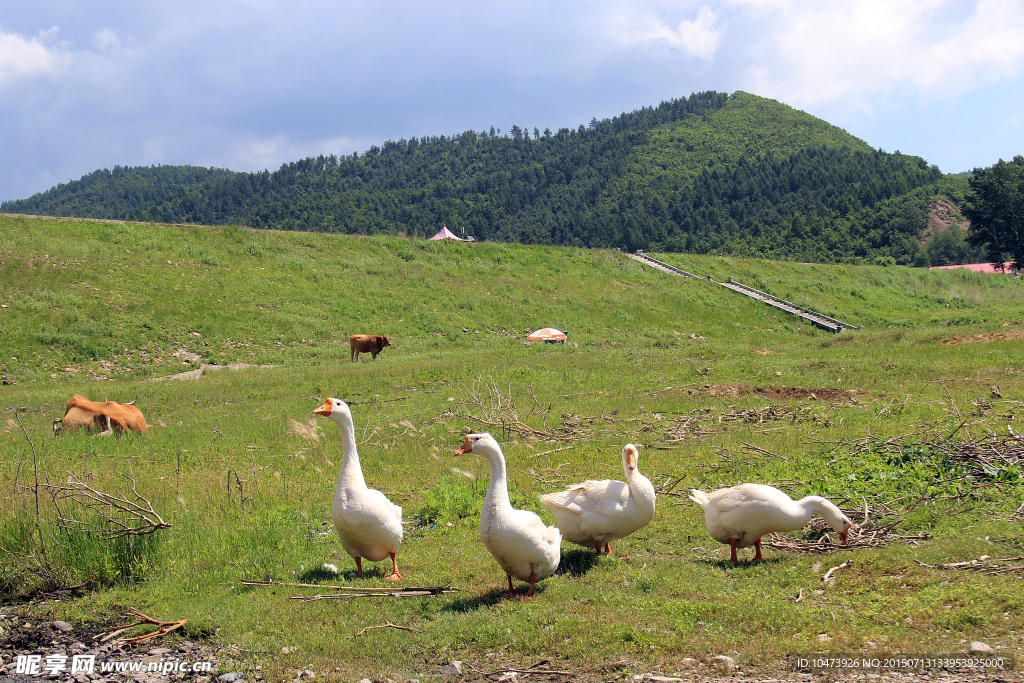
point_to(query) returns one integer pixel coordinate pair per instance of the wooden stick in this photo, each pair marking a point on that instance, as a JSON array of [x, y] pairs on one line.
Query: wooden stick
[[386, 624], [357, 589], [531, 670], [828, 574], [407, 593]]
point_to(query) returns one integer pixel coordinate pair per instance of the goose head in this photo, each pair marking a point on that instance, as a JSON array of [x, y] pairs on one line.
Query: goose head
[[838, 520], [334, 408], [629, 456], [478, 443]]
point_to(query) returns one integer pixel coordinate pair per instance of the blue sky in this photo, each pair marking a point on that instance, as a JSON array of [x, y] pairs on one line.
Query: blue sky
[[251, 84]]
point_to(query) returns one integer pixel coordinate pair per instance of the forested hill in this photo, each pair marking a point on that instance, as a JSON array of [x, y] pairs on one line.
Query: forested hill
[[710, 173]]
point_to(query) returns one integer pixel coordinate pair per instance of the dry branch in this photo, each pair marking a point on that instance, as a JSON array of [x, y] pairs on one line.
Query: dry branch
[[386, 593], [137, 516], [165, 628], [526, 672], [984, 564], [386, 624], [828, 574]]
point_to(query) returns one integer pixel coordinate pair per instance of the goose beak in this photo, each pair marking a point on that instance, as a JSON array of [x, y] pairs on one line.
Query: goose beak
[[631, 457], [466, 447], [325, 409], [845, 535]]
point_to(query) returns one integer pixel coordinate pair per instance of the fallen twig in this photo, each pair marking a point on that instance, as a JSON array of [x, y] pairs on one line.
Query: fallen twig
[[358, 591], [526, 672], [386, 624], [165, 628], [401, 593], [828, 574], [984, 564]]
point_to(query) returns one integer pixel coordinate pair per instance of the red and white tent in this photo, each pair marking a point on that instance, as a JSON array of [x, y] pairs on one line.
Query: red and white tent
[[445, 234], [548, 334]]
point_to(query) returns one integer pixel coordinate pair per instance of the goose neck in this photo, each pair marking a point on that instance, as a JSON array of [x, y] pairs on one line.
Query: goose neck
[[351, 473], [497, 490]]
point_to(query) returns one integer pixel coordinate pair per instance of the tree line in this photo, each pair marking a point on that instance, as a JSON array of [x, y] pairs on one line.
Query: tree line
[[710, 173]]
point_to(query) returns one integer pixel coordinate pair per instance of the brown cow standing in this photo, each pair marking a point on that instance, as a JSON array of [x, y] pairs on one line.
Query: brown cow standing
[[368, 343], [106, 418]]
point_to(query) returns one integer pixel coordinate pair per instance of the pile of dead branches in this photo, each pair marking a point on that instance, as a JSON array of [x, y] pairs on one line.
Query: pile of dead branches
[[985, 564], [771, 413], [984, 458], [989, 456]]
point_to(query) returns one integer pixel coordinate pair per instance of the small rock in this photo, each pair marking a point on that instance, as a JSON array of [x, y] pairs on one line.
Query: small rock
[[62, 626], [824, 637], [453, 669], [365, 680], [661, 679], [724, 662], [230, 677], [984, 648], [508, 676], [157, 651]]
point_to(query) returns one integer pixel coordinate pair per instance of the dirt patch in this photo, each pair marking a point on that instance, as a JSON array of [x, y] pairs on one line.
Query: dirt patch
[[985, 338], [942, 214], [205, 368], [775, 393]]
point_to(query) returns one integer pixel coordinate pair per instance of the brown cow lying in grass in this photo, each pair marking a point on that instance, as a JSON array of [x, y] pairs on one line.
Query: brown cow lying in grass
[[368, 343], [106, 418]]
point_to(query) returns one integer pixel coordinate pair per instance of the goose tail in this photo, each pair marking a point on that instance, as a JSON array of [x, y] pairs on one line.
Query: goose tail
[[699, 497]]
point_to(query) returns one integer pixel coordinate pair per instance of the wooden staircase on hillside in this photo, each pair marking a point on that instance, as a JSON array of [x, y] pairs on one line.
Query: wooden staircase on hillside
[[817, 319]]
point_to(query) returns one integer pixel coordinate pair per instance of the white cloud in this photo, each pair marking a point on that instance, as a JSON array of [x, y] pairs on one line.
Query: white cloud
[[105, 40], [809, 53], [21, 56], [639, 27], [269, 153]]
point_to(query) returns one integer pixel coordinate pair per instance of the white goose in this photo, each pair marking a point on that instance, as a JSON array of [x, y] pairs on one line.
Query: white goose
[[368, 524], [594, 513], [518, 539], [741, 515]]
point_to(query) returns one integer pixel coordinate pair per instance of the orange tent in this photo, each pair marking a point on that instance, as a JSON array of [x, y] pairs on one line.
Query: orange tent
[[548, 334]]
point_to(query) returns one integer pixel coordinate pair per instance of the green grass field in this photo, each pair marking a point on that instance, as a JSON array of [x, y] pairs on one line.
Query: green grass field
[[911, 417]]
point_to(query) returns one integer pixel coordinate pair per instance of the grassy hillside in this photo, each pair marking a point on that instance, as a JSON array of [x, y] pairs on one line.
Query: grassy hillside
[[710, 173], [714, 389]]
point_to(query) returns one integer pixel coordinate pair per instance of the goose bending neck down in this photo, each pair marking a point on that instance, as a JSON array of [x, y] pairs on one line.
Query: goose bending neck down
[[519, 540], [741, 515], [368, 524]]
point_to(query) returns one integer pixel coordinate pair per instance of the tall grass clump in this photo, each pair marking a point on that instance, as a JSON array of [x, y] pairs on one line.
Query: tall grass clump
[[452, 498]]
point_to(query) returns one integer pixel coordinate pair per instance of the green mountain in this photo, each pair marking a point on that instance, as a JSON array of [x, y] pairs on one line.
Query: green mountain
[[710, 173]]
